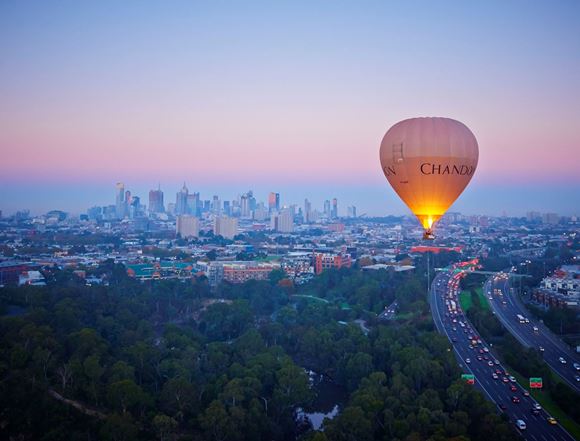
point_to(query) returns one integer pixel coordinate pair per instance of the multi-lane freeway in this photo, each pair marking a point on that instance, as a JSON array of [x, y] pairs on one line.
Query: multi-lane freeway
[[475, 357], [530, 332]]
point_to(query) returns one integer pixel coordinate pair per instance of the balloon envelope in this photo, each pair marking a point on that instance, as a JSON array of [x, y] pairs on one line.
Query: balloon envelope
[[429, 162]]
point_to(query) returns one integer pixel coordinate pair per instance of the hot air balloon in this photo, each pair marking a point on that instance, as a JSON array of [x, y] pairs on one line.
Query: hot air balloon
[[429, 162]]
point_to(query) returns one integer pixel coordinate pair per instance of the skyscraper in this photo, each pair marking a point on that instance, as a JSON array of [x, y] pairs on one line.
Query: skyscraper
[[273, 202], [327, 209], [351, 211], [181, 201], [227, 208], [120, 205], [156, 201], [334, 212], [245, 205], [307, 211], [194, 204], [216, 205]]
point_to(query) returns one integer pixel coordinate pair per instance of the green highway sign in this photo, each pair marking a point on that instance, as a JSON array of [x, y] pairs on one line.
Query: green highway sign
[[536, 383], [468, 378]]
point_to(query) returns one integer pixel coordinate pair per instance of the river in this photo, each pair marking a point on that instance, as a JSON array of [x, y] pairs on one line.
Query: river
[[330, 399]]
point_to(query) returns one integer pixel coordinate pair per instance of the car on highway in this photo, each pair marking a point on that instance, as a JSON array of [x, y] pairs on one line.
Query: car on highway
[[505, 380], [576, 366], [513, 388], [535, 411], [512, 379], [537, 406], [552, 420], [521, 424], [515, 400], [577, 377], [542, 349], [468, 360], [496, 361], [494, 376], [526, 393], [490, 363], [562, 360]]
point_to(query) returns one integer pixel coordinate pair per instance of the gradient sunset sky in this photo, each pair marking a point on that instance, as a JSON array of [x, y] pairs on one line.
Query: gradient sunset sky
[[292, 97]]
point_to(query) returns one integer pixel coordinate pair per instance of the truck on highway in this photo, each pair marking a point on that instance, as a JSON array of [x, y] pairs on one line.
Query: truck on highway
[[520, 318], [452, 305]]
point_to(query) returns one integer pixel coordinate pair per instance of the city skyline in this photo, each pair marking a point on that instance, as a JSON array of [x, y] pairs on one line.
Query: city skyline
[[107, 197], [284, 96]]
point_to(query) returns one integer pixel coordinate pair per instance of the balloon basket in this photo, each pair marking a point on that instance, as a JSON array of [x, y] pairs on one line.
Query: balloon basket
[[428, 235]]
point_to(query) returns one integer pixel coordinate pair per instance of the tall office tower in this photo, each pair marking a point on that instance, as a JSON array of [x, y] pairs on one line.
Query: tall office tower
[[227, 208], [224, 226], [351, 211], [156, 201], [194, 204], [216, 206], [251, 201], [307, 211], [127, 199], [334, 212], [273, 202], [187, 226], [327, 209], [260, 213], [135, 209], [282, 221], [120, 200], [245, 206], [181, 201]]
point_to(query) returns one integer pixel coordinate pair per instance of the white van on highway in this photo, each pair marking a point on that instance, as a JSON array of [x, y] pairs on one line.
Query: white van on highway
[[521, 424]]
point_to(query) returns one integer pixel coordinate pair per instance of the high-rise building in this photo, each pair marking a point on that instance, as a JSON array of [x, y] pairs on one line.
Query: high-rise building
[[260, 213], [194, 204], [550, 218], [224, 226], [187, 226], [307, 211], [216, 206], [135, 209], [227, 208], [120, 204], [327, 209], [156, 201], [351, 211], [181, 201], [533, 216], [334, 212], [273, 202], [282, 221], [245, 205]]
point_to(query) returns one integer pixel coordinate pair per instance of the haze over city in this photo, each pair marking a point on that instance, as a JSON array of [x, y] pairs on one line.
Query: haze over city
[[290, 98]]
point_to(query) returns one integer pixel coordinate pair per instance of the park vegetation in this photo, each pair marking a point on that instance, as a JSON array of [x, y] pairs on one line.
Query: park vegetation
[[174, 360]]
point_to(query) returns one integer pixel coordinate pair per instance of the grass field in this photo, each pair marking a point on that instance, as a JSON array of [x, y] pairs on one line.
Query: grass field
[[465, 299]]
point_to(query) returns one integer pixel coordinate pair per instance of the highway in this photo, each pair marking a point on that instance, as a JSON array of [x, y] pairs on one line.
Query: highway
[[531, 333], [475, 357]]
